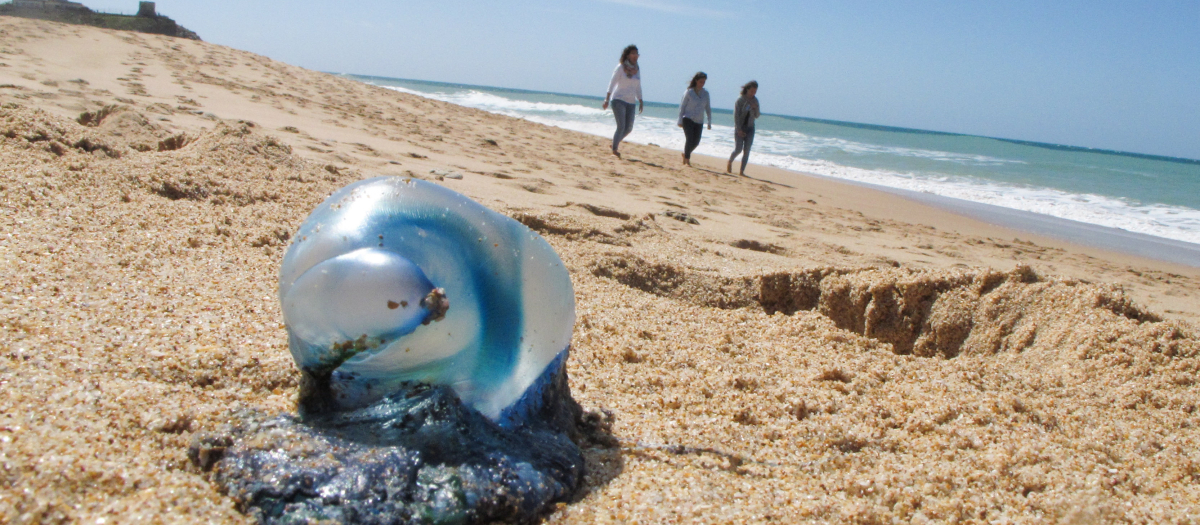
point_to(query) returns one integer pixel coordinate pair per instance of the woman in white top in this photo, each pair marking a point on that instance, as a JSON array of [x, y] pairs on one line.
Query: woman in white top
[[692, 110], [624, 89]]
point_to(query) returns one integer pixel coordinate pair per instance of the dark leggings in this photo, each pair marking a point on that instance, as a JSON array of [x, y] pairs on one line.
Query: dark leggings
[[692, 130], [742, 142]]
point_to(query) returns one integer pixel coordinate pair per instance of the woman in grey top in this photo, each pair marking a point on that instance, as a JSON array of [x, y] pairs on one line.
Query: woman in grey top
[[692, 111], [744, 113]]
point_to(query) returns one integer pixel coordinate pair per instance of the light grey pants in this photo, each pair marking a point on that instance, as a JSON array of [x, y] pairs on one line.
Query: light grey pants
[[742, 142], [624, 112]]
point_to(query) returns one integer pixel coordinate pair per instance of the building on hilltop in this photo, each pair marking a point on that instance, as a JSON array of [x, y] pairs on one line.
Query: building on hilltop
[[48, 4], [147, 19], [144, 8]]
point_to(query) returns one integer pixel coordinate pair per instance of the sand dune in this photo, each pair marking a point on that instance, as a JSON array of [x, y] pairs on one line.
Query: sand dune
[[808, 350]]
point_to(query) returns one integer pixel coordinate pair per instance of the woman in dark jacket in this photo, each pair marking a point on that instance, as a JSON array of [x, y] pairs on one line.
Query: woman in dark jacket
[[745, 111]]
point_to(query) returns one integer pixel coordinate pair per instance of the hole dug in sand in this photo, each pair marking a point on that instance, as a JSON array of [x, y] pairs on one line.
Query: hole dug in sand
[[925, 313]]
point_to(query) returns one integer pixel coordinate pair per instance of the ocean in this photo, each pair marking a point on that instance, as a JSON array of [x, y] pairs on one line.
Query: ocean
[[1144, 194]]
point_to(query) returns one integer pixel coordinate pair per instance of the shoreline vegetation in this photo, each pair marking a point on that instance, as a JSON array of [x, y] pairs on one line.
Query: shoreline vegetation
[[808, 351]]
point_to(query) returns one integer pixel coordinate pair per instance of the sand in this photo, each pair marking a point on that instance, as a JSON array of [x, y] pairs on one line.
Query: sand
[[808, 351]]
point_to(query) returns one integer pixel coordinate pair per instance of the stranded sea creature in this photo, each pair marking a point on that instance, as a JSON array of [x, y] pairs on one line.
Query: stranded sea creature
[[394, 280], [432, 336]]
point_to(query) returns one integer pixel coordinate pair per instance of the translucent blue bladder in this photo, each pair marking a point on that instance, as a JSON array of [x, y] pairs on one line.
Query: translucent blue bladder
[[393, 280]]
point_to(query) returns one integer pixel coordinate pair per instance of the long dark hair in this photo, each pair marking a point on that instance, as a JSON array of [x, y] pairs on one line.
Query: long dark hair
[[749, 85], [628, 49], [696, 78]]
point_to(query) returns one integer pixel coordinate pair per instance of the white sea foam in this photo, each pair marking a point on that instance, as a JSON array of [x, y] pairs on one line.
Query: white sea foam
[[1171, 222], [788, 149], [498, 104], [797, 143]]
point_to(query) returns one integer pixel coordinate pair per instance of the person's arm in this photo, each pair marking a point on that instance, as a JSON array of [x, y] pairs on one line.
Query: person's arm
[[754, 108], [737, 117], [612, 84], [708, 109], [641, 104], [682, 108]]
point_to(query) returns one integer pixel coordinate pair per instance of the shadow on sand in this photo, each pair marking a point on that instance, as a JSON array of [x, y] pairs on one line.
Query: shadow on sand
[[723, 174]]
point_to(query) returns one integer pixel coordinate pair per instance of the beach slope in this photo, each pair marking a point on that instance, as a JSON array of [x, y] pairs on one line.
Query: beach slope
[[810, 351]]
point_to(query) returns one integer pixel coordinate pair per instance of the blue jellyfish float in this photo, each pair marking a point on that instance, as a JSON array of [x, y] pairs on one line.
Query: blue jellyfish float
[[432, 335]]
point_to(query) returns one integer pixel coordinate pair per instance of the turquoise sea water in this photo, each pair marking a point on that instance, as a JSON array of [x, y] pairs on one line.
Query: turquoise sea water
[[1158, 196]]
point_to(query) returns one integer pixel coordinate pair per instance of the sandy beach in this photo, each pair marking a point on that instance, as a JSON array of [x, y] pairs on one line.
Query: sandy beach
[[803, 350]]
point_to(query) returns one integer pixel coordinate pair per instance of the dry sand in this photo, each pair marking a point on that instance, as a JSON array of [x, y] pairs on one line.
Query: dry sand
[[808, 351]]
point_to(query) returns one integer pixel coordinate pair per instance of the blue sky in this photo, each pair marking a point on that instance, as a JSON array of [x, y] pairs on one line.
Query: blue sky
[[1103, 74]]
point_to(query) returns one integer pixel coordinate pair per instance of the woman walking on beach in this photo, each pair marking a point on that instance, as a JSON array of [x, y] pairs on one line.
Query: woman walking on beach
[[745, 111], [624, 89], [692, 110]]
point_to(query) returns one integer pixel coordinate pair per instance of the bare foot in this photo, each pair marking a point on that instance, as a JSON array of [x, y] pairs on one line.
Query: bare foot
[[684, 157], [729, 167], [617, 153]]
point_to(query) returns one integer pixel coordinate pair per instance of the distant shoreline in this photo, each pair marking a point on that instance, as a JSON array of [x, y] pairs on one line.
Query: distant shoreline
[[858, 125], [1109, 238]]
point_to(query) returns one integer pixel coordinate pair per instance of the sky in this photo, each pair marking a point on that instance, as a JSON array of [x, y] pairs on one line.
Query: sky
[[1115, 75]]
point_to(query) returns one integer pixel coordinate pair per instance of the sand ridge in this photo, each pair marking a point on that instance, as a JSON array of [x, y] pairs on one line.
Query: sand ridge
[[809, 350]]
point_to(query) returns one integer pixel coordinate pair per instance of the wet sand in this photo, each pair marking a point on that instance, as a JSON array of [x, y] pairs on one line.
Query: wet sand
[[809, 350]]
